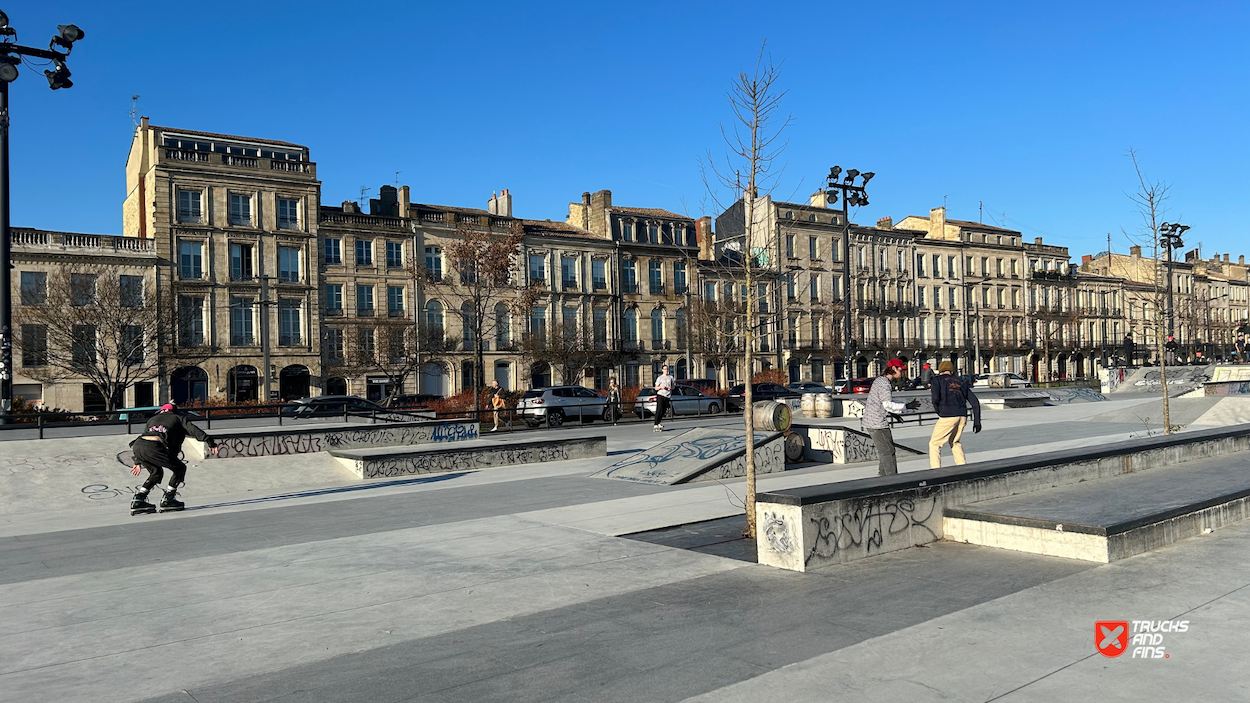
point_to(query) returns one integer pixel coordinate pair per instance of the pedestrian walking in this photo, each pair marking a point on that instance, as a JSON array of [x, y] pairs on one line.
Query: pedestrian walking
[[926, 375], [614, 399], [158, 447], [877, 410], [1240, 347], [951, 396], [497, 403], [664, 384]]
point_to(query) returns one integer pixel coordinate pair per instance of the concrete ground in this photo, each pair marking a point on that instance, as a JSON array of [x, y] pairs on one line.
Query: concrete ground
[[517, 584]]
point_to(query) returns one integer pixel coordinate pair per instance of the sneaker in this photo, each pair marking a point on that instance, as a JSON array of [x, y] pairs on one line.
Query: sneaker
[[495, 430]]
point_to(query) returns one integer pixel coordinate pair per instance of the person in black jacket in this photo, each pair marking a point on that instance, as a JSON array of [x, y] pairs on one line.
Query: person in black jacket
[[159, 446], [951, 395]]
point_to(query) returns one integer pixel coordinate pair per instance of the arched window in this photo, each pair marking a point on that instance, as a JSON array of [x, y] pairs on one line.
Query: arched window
[[503, 327], [434, 319], [629, 329], [657, 328]]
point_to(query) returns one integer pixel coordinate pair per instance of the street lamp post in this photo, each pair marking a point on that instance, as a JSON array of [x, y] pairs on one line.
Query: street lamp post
[[58, 77], [851, 195], [1170, 235]]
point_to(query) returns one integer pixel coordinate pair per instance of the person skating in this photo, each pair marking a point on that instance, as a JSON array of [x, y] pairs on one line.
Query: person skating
[[158, 447], [664, 384], [951, 396], [877, 410]]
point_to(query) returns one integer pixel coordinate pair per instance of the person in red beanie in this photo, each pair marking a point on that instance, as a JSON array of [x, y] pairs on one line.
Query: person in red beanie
[[159, 446]]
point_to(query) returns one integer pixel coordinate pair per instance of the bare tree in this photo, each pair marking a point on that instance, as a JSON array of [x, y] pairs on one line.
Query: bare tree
[[479, 281], [750, 166], [388, 348], [568, 349], [94, 322], [1149, 199]]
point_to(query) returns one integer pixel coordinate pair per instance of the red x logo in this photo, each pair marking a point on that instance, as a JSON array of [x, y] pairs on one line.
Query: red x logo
[[1111, 637]]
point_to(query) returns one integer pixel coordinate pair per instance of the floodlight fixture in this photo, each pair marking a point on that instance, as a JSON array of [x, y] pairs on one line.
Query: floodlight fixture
[[8, 69], [835, 172], [59, 78], [868, 177]]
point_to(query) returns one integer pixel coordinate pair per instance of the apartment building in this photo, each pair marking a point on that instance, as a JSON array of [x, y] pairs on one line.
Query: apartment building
[[234, 225]]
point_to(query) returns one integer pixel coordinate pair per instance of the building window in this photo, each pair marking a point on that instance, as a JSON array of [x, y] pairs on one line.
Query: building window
[[288, 265], [952, 271], [599, 275], [364, 252], [34, 288], [568, 323], [790, 245], [920, 297], [679, 236], [241, 262], [334, 299], [599, 323], [679, 278], [241, 322], [83, 343], [813, 288], [34, 345], [365, 345], [395, 301], [813, 251], [657, 329], [538, 325], [334, 251], [434, 263], [709, 291], [627, 231], [653, 234], [953, 293], [538, 268], [629, 326], [395, 255], [790, 287], [288, 322], [655, 275], [920, 266], [568, 272], [190, 261], [434, 320], [364, 301], [629, 277], [131, 291], [189, 209], [632, 377], [334, 345], [288, 213], [240, 210], [503, 326], [82, 288], [190, 321]]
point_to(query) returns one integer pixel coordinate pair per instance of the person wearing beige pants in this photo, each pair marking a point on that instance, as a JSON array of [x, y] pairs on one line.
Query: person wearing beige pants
[[947, 430]]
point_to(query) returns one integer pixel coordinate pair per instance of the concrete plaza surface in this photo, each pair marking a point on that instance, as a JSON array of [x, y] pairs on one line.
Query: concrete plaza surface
[[530, 583]]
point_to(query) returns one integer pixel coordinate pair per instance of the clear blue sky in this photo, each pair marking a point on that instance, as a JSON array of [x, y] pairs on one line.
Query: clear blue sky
[[1030, 111]]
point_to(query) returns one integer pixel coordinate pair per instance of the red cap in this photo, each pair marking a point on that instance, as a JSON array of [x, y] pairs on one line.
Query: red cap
[[896, 363]]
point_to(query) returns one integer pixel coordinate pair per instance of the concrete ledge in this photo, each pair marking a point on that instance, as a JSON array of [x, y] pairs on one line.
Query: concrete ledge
[[466, 456], [279, 441], [841, 445], [809, 527], [700, 454]]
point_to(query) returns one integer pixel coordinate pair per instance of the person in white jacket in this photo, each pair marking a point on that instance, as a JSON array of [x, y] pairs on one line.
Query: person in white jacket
[[877, 410]]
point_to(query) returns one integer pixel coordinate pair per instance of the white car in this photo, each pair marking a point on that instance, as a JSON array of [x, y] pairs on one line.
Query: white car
[[1001, 380], [553, 404]]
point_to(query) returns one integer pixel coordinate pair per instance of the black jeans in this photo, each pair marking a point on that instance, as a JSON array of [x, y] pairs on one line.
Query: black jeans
[[662, 404], [153, 456]]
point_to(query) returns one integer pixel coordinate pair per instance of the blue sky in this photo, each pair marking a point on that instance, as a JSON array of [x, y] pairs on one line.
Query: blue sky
[[1029, 110]]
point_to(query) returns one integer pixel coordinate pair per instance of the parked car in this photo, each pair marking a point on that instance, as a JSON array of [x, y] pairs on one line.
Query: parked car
[[759, 391], [554, 404], [1001, 380], [411, 401], [687, 400], [808, 387], [857, 385], [142, 414], [331, 405]]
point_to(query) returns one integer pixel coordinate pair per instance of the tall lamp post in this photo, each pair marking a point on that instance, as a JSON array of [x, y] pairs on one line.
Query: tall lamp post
[[1170, 236], [11, 56], [852, 194]]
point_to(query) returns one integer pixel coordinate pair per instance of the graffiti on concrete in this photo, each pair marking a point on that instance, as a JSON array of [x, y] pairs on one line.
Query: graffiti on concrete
[[852, 408], [650, 463], [1179, 378], [470, 460], [846, 447], [12, 466], [1228, 388], [777, 532], [1074, 394], [881, 524], [377, 436], [1231, 373], [770, 458], [100, 491], [1112, 378]]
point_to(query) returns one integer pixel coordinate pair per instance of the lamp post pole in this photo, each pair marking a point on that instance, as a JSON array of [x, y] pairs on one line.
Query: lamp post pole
[[1170, 233], [10, 57], [851, 195]]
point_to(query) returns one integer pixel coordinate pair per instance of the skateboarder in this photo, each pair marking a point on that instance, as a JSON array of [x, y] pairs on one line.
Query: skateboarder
[[664, 384], [158, 447]]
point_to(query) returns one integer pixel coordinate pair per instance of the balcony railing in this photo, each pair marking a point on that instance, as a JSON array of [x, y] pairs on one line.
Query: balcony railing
[[364, 312], [363, 220], [65, 240], [569, 284], [395, 312], [334, 312]]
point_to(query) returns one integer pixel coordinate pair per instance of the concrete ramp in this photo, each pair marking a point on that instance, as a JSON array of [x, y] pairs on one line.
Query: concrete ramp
[[1182, 411], [1181, 379], [1225, 412], [700, 454]]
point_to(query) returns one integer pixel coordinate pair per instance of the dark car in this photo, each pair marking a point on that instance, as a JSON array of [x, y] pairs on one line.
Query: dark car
[[332, 405], [686, 400], [759, 391], [808, 387], [411, 401]]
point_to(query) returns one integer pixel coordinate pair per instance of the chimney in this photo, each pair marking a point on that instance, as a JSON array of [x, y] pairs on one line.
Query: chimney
[[387, 202], [703, 230], [349, 206], [1135, 251], [885, 223], [405, 200], [937, 222], [819, 199], [600, 203], [492, 205], [1086, 259], [1241, 259], [1226, 258], [505, 203]]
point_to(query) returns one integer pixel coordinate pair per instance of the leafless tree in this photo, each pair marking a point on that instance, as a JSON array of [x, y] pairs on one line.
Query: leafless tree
[[92, 323], [479, 279], [1149, 199], [569, 350], [750, 166], [388, 348]]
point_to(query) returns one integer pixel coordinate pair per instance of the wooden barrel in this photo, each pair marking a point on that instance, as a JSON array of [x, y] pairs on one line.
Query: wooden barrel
[[771, 416], [824, 405], [794, 447], [808, 404]]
